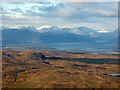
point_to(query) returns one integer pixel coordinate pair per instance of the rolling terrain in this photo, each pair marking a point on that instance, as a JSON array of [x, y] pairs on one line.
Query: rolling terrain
[[42, 69]]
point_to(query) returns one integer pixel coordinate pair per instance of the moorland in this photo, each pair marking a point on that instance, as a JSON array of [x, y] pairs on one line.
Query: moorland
[[44, 69]]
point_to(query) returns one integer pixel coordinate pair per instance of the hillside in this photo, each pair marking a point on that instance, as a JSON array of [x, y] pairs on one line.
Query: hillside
[[37, 69]]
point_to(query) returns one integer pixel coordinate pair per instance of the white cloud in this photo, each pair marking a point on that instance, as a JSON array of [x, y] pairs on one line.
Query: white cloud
[[70, 14], [101, 12], [107, 13]]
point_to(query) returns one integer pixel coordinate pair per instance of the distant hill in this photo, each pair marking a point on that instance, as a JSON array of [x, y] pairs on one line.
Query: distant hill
[[46, 35]]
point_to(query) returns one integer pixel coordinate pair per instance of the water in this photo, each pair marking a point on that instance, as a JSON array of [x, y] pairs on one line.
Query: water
[[115, 75], [95, 47]]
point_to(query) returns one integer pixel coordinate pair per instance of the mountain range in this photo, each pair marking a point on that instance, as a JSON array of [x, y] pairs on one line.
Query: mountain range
[[51, 34]]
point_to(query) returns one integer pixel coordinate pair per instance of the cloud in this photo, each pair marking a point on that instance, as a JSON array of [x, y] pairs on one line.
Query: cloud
[[68, 14], [28, 8], [101, 13]]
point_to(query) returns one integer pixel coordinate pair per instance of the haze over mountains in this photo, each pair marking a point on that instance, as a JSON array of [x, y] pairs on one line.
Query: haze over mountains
[[51, 34]]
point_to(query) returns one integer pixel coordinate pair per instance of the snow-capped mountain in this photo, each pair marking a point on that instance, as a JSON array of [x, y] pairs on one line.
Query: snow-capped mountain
[[78, 30], [53, 29], [28, 28], [52, 34], [47, 28], [84, 31]]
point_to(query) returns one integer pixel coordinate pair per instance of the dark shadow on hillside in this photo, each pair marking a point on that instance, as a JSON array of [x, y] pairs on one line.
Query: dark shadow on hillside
[[88, 60], [54, 58]]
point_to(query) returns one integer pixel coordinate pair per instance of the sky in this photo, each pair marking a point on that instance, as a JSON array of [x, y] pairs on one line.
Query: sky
[[96, 15]]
